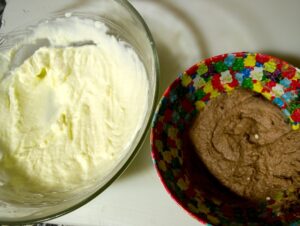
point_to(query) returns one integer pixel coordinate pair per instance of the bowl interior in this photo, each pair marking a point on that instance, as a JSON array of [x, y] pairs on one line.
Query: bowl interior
[[181, 171]]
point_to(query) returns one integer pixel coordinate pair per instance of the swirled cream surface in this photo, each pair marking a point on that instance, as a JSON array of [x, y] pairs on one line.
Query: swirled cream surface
[[69, 111]]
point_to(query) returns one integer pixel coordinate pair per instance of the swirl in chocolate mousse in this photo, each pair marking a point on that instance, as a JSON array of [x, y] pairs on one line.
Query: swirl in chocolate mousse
[[245, 142]]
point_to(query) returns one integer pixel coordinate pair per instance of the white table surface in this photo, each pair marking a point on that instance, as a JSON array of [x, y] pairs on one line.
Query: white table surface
[[185, 31]]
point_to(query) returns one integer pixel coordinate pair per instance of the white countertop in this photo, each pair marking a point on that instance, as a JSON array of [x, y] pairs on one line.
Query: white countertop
[[185, 32]]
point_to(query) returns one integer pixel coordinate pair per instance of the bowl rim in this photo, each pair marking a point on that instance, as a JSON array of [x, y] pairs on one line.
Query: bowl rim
[[128, 6]]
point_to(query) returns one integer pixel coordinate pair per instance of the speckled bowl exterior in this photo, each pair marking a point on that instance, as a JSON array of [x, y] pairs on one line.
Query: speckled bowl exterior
[[183, 174]]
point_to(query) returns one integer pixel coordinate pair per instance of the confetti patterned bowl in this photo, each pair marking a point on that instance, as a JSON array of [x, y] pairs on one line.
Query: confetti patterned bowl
[[183, 174]]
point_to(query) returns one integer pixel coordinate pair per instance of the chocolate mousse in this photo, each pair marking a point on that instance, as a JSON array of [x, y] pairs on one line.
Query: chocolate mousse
[[245, 142]]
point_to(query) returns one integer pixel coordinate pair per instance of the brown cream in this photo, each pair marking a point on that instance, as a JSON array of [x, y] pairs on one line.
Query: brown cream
[[246, 144]]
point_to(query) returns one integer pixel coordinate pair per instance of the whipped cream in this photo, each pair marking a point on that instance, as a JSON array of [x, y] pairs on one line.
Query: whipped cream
[[70, 109]]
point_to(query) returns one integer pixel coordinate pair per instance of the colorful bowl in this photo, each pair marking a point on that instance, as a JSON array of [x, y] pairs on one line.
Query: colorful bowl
[[183, 174]]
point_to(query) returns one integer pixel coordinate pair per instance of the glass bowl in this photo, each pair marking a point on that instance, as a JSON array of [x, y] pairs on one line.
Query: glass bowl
[[126, 24]]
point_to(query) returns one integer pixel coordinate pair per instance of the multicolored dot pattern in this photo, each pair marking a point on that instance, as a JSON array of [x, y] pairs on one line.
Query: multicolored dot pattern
[[273, 78]]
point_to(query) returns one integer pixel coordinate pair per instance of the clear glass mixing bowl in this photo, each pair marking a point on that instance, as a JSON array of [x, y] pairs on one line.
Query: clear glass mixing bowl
[[126, 24]]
